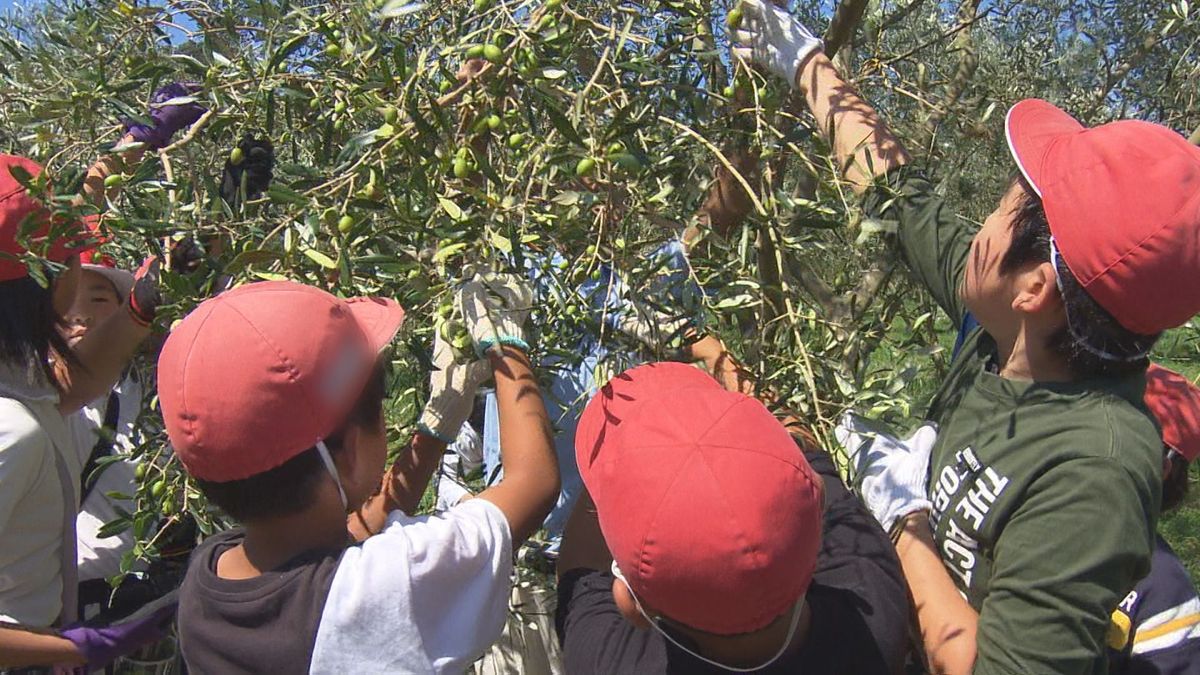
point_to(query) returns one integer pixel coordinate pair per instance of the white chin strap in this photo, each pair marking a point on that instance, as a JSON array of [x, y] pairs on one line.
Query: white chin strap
[[327, 460], [616, 571]]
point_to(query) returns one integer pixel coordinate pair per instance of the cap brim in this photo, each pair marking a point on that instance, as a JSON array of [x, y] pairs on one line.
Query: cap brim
[[1175, 403], [380, 319], [1031, 128], [121, 280], [622, 396]]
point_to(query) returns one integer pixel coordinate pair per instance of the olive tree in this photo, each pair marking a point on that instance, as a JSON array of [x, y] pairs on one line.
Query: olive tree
[[416, 139]]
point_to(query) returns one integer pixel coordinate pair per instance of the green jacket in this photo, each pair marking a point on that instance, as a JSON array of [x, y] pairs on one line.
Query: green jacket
[[1045, 495]]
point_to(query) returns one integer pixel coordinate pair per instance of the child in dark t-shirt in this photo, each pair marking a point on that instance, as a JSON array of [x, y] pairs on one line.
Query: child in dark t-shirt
[[272, 396], [718, 541]]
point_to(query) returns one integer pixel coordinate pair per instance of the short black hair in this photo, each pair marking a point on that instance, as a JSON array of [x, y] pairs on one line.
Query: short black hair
[[1175, 483], [292, 486], [1090, 327], [29, 327]]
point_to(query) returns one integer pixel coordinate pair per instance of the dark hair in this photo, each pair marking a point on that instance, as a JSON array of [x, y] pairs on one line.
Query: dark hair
[[29, 326], [292, 486], [1089, 324], [1175, 483]]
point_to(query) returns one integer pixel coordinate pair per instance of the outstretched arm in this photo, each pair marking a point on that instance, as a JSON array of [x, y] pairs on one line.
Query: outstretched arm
[[863, 145], [402, 486], [20, 647]]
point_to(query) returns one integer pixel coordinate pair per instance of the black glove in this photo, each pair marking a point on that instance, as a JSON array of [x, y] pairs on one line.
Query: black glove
[[186, 255], [256, 161], [144, 297]]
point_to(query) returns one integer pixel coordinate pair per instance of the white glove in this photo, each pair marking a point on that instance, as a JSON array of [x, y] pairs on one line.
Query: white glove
[[770, 37], [451, 392], [891, 473], [649, 326], [494, 307]]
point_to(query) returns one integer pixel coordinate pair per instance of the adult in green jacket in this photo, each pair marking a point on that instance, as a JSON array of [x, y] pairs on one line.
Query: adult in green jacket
[[1030, 513]]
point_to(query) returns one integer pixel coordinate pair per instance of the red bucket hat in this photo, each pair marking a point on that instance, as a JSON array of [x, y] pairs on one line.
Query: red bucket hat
[[16, 207], [1175, 402], [708, 506], [259, 374], [1123, 204]]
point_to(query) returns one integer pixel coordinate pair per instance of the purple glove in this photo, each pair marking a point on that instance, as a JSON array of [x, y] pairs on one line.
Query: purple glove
[[167, 119], [102, 645]]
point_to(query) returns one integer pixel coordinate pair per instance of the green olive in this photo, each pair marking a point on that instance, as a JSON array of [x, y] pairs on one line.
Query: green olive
[[585, 167], [553, 4], [339, 107], [345, 224], [158, 488], [482, 5], [391, 115], [139, 472], [236, 156], [463, 168], [493, 53], [333, 49], [516, 140], [114, 180], [734, 19], [474, 52], [494, 122]]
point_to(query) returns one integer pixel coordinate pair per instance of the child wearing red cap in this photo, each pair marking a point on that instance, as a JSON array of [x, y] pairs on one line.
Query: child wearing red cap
[[1156, 628], [710, 540], [1032, 514], [272, 397], [43, 377]]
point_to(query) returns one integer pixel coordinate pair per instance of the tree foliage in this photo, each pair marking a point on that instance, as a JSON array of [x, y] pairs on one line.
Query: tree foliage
[[596, 129]]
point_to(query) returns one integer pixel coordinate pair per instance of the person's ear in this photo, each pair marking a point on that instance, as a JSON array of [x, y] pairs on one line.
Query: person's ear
[[1036, 290], [627, 605]]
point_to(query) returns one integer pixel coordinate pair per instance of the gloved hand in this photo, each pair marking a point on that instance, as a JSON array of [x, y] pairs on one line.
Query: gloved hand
[[495, 307], [891, 473], [768, 36], [451, 392], [166, 119], [101, 646], [649, 326], [186, 255], [144, 297], [255, 167]]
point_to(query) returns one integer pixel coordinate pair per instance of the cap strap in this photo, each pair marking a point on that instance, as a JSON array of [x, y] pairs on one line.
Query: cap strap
[[1095, 351], [327, 460], [616, 572]]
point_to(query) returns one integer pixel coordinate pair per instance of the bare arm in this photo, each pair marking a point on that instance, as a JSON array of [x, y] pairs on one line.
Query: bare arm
[[947, 623], [21, 647], [402, 488], [100, 358], [733, 376], [583, 545], [102, 355], [530, 485], [108, 165], [863, 145]]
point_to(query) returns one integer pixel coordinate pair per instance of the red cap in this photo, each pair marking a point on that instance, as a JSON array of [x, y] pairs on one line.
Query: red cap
[[1175, 402], [16, 205], [707, 504], [259, 374], [1123, 204]]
